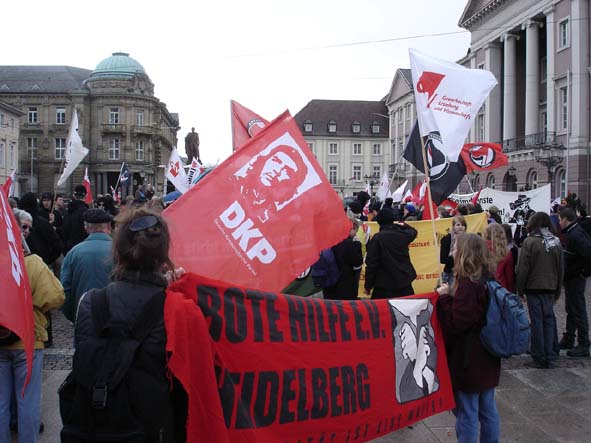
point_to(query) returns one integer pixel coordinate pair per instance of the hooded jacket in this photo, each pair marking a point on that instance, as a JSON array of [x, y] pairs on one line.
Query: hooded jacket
[[577, 250], [74, 231]]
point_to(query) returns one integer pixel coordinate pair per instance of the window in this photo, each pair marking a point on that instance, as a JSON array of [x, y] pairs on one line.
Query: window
[[2, 155], [533, 180], [561, 185], [139, 150], [377, 171], [11, 161], [114, 148], [356, 127], [480, 137], [490, 181], [12, 123], [543, 69], [31, 146], [114, 116], [60, 148], [311, 147], [1, 120], [480, 66], [308, 126], [139, 118], [399, 112], [408, 114], [543, 121], [563, 34], [375, 128], [60, 116], [357, 173], [333, 149], [332, 126], [357, 149], [33, 116], [563, 103], [377, 149], [332, 174]]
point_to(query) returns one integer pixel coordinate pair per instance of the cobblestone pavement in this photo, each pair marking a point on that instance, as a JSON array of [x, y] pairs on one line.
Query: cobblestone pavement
[[536, 405]]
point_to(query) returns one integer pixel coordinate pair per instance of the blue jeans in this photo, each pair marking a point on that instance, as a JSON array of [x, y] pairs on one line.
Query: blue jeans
[[544, 333], [13, 372], [472, 408]]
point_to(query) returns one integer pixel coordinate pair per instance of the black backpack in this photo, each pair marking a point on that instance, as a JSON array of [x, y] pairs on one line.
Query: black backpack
[[7, 337], [108, 398]]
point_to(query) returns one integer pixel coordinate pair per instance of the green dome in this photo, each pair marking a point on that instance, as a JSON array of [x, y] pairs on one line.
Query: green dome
[[120, 65]]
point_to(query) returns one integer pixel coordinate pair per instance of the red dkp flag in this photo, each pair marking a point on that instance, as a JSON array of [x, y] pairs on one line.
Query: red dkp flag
[[263, 216], [483, 156], [245, 124], [15, 293]]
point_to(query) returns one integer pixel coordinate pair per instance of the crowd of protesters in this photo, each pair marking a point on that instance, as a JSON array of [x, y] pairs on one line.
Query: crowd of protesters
[[74, 250]]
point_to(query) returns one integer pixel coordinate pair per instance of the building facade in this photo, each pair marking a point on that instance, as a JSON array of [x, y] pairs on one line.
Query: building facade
[[350, 140], [120, 120], [9, 136]]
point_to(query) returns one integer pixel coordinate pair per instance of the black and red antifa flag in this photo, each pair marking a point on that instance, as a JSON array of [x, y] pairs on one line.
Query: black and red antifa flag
[[444, 174]]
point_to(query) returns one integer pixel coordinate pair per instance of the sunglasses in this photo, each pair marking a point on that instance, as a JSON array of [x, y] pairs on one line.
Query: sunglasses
[[25, 227]]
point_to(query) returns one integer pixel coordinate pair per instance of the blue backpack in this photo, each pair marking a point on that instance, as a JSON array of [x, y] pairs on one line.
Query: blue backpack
[[325, 272], [506, 332]]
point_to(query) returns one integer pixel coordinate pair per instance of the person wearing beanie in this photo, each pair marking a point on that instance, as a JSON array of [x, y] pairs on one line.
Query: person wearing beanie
[[389, 272], [388, 202], [74, 231], [410, 212]]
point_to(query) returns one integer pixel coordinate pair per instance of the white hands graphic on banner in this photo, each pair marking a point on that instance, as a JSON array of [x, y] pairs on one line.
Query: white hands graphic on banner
[[75, 152], [448, 97]]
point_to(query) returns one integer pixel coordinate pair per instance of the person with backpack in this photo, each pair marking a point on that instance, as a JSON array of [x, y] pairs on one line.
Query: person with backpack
[[539, 279], [348, 260], [475, 372], [119, 389], [47, 293], [389, 272], [577, 261]]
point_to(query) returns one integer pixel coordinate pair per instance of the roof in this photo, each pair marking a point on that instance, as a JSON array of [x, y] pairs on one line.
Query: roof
[[405, 76], [476, 9], [344, 113], [119, 64], [11, 109], [32, 79]]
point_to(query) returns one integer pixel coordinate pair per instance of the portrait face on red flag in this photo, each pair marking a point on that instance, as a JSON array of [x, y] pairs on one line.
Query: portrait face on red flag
[[262, 216]]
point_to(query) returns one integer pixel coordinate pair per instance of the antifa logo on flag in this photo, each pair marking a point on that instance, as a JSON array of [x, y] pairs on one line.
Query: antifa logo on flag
[[483, 156], [437, 161]]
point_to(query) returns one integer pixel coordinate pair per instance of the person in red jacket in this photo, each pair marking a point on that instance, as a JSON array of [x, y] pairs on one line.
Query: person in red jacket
[[501, 255], [474, 372]]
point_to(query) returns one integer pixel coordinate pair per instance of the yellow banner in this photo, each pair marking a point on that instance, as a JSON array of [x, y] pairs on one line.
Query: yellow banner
[[423, 254]]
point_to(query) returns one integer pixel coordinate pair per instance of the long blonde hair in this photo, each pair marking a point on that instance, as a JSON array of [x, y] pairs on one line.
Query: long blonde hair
[[495, 234], [472, 259]]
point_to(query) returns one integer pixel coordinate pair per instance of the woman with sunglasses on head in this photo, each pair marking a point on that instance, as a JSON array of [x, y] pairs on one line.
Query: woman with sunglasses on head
[[142, 271]]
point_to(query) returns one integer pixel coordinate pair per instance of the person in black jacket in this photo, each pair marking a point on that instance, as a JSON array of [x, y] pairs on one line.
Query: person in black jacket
[[74, 231], [389, 272], [349, 259], [56, 220], [142, 270], [577, 252]]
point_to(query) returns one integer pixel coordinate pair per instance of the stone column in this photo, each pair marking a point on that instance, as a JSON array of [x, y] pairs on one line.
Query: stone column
[[579, 95], [509, 98], [550, 71], [492, 117], [532, 77]]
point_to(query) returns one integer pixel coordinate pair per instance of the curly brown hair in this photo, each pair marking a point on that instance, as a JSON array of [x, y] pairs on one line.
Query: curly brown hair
[[143, 251], [495, 234], [472, 260]]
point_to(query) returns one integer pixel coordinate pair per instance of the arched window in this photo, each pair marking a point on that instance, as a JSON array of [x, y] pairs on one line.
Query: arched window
[[490, 181], [561, 183], [532, 179]]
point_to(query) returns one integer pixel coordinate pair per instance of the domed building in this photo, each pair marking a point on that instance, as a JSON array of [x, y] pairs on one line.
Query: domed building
[[120, 120]]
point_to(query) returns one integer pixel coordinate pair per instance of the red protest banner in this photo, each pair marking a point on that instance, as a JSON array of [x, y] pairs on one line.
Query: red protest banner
[[15, 293], [245, 124], [262, 216], [260, 366], [483, 156]]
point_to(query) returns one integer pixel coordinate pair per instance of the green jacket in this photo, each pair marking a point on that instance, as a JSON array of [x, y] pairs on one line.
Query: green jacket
[[540, 265]]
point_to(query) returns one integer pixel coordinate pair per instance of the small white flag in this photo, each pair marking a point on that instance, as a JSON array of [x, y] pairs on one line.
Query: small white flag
[[175, 172], [195, 170], [383, 188], [398, 194], [75, 152]]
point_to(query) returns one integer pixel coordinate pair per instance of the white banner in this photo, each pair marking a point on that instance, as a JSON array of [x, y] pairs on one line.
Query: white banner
[[448, 97], [75, 152], [175, 171], [509, 203], [384, 187]]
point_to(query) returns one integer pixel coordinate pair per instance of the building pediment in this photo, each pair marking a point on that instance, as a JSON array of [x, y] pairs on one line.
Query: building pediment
[[476, 10], [401, 85]]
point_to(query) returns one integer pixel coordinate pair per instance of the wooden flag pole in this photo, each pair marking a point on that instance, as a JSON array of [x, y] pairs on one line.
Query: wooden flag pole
[[427, 180]]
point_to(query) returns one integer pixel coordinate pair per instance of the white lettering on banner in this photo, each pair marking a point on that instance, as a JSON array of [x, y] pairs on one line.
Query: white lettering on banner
[[16, 269], [234, 218]]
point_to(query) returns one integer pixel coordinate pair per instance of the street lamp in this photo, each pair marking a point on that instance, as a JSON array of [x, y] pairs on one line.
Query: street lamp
[[550, 157], [373, 180]]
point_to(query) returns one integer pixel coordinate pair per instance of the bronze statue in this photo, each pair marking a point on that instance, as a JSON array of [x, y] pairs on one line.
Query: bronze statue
[[192, 145]]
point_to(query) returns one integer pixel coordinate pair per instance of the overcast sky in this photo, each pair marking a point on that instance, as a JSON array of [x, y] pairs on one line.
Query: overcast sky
[[268, 55]]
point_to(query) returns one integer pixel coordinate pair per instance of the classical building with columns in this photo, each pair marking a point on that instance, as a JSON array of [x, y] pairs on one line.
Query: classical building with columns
[[120, 120], [539, 52]]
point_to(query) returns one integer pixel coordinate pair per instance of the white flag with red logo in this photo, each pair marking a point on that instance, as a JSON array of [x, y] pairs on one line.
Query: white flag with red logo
[[86, 182], [175, 171], [245, 124], [195, 170], [271, 210], [448, 97]]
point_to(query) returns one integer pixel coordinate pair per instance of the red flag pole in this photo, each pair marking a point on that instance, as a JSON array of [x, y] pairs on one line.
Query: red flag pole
[[427, 180]]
